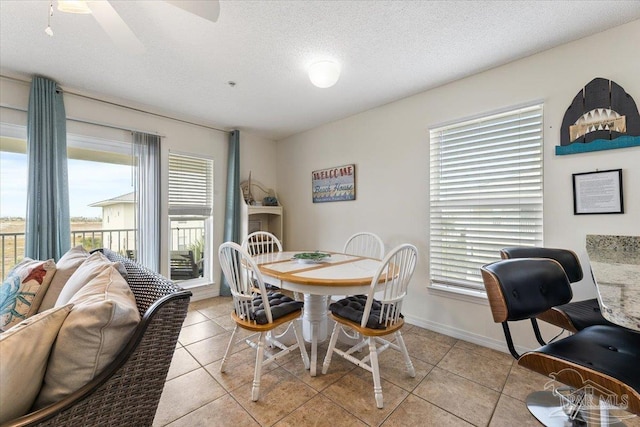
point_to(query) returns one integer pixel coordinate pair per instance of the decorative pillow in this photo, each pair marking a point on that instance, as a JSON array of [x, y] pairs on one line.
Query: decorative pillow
[[24, 350], [92, 266], [280, 304], [352, 308], [65, 267], [23, 289], [103, 318]]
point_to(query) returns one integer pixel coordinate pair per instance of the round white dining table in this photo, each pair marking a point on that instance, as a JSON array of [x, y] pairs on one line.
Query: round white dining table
[[340, 274]]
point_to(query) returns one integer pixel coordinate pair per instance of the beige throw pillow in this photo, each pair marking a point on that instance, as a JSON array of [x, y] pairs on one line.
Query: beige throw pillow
[[92, 266], [65, 267], [23, 289], [103, 318], [24, 350]]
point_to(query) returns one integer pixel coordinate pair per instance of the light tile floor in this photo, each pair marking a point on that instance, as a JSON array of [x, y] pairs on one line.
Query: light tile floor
[[457, 383]]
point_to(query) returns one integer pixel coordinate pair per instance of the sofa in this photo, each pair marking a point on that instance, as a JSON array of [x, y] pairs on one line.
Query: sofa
[[126, 390]]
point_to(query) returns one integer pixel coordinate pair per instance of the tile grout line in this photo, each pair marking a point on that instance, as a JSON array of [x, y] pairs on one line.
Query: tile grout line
[[321, 392]]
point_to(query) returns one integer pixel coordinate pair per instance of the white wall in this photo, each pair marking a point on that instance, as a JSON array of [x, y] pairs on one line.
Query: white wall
[[257, 154], [390, 144]]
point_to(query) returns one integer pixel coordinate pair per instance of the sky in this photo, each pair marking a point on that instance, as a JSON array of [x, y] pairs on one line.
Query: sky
[[89, 182]]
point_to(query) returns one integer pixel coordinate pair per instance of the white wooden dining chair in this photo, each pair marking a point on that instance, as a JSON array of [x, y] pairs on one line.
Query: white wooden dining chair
[[259, 312], [365, 244], [375, 319], [261, 242]]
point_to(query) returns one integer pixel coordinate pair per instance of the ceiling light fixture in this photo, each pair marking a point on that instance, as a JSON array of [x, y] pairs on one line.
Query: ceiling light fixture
[[324, 74], [73, 6]]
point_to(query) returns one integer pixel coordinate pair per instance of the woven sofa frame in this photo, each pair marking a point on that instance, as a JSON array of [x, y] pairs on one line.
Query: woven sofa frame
[[128, 391]]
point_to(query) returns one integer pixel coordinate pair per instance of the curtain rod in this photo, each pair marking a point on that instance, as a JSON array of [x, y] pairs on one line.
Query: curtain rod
[[116, 105], [73, 119]]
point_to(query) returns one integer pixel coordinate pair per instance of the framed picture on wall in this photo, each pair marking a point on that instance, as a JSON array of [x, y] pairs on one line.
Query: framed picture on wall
[[334, 184], [598, 192]]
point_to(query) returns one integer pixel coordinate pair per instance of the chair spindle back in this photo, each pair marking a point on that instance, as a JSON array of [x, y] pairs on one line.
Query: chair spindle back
[[244, 278], [261, 242], [390, 283], [365, 244]]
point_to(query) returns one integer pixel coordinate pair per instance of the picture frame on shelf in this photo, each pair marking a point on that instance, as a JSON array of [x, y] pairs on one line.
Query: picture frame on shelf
[[255, 225]]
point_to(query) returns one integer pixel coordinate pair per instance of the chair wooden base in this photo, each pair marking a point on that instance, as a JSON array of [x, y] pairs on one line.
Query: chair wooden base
[[581, 377], [367, 331], [261, 331], [370, 361], [255, 327]]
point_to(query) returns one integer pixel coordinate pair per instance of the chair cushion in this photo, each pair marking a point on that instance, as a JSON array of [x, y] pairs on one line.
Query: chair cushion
[[267, 286], [280, 304], [65, 267], [584, 313], [352, 308], [103, 318], [23, 290], [612, 350], [24, 350]]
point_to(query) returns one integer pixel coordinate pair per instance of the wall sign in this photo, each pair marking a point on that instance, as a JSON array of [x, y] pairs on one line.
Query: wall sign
[[602, 116], [598, 192], [334, 184]]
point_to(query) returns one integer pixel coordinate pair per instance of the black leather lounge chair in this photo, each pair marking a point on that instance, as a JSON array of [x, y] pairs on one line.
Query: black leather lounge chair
[[573, 316], [598, 361]]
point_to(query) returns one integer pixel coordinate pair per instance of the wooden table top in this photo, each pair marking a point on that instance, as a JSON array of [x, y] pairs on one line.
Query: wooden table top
[[339, 270]]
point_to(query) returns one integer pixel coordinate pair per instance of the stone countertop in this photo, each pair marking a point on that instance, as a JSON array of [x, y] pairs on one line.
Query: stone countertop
[[615, 264]]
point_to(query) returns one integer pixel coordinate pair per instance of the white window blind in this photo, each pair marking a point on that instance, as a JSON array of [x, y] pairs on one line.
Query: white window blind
[[485, 193], [190, 185]]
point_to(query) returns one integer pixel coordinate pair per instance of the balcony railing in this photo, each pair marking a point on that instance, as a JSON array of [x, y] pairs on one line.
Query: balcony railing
[[122, 241]]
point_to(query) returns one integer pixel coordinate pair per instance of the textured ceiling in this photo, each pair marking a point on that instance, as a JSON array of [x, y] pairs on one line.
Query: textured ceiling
[[388, 50]]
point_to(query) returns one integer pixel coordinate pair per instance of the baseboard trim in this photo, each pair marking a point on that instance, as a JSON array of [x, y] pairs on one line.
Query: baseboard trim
[[462, 334], [204, 292]]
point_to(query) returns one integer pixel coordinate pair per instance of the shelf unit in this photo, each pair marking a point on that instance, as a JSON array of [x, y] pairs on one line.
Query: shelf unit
[[260, 218]]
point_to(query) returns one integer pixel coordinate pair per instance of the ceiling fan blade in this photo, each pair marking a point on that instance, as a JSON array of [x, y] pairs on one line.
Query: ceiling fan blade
[[115, 27], [208, 9]]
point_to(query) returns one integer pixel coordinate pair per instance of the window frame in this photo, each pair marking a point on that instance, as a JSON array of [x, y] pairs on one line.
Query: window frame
[[459, 274], [86, 143], [191, 213]]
